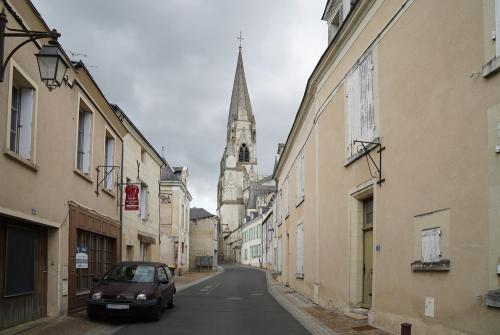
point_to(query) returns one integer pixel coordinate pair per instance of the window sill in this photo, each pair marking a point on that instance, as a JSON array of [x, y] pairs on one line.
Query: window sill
[[83, 175], [109, 192], [300, 201], [299, 275], [358, 155], [492, 67], [16, 158], [442, 265]]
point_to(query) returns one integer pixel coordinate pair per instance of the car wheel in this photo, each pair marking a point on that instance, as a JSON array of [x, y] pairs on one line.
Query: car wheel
[[156, 315], [91, 314], [171, 303]]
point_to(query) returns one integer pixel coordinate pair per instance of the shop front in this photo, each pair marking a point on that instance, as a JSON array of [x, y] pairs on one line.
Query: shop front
[[94, 242]]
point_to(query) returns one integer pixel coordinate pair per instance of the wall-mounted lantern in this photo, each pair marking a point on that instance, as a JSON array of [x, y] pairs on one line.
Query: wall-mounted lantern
[[51, 60]]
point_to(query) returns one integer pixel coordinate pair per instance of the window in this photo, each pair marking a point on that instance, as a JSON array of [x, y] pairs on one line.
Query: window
[[299, 177], [244, 154], [109, 161], [278, 208], [162, 275], [143, 155], [144, 202], [143, 252], [300, 252], [84, 137], [246, 254], [285, 198], [430, 245], [360, 119], [21, 121], [182, 216]]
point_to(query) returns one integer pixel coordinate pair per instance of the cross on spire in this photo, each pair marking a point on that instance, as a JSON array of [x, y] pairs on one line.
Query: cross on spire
[[240, 38]]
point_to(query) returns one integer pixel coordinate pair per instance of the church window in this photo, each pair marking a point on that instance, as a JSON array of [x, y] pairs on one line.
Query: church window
[[244, 155]]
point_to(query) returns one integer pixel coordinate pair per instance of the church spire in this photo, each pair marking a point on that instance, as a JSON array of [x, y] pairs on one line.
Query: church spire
[[240, 108]]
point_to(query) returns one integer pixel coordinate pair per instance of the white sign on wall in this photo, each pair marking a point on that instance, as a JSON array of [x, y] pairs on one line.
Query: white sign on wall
[[82, 258]]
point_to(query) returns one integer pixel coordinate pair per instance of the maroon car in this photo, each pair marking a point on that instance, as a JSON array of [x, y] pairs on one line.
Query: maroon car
[[133, 288]]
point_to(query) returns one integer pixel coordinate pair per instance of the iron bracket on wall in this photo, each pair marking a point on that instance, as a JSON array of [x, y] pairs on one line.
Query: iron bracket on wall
[[100, 181], [366, 148]]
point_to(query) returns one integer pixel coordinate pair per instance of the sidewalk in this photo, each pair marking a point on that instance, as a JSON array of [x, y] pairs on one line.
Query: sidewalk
[[316, 319], [78, 324]]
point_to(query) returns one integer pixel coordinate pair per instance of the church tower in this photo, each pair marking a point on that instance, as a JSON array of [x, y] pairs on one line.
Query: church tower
[[238, 166]]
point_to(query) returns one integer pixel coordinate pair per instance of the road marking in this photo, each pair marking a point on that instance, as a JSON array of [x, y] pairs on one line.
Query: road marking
[[257, 294], [233, 298]]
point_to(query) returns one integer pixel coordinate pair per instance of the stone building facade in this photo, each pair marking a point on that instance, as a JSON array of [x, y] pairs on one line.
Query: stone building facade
[[204, 235], [174, 218], [388, 182], [54, 203]]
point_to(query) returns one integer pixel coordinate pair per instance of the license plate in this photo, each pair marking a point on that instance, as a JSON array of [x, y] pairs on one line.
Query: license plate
[[116, 306]]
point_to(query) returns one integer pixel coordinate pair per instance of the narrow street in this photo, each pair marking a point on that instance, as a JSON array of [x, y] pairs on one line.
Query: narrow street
[[234, 302]]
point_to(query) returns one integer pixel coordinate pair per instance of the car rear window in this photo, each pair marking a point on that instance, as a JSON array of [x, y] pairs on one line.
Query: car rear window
[[132, 273]]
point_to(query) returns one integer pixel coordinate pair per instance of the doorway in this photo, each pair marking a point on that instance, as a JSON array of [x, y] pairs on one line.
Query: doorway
[[367, 229]]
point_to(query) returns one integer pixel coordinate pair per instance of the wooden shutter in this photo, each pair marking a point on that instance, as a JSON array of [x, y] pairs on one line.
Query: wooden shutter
[[87, 129], [353, 110], [300, 251], [27, 95], [431, 251], [109, 162], [497, 29], [366, 99], [279, 252]]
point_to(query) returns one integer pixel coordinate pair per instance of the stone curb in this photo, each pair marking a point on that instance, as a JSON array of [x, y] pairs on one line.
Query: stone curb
[[313, 325]]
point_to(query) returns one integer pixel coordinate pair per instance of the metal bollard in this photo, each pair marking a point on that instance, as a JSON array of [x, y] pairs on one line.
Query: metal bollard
[[406, 328]]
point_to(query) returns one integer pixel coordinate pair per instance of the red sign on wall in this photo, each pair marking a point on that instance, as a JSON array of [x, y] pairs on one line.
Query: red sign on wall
[[132, 198]]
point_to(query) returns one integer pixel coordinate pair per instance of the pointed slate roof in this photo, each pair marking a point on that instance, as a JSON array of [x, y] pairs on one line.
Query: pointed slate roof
[[199, 213], [240, 108]]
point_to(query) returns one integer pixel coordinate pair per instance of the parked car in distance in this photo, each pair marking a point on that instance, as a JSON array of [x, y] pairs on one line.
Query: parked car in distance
[[133, 288]]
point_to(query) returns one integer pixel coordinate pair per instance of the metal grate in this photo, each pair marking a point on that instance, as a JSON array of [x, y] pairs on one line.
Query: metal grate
[[100, 253]]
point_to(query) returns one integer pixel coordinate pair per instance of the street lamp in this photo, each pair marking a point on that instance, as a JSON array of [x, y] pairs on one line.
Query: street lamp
[[50, 58]]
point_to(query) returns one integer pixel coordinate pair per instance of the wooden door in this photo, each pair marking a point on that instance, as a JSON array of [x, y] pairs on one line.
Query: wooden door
[[367, 252], [23, 272]]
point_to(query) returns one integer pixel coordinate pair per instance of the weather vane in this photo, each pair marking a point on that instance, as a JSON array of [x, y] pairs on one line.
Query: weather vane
[[240, 38]]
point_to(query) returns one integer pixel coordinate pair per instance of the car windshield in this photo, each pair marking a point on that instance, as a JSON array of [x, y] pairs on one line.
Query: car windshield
[[132, 273]]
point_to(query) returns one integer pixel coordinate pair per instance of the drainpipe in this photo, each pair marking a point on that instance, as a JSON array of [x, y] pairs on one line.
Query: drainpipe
[[121, 202]]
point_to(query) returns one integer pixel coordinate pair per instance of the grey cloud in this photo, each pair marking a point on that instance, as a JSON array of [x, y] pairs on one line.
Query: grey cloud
[[170, 66]]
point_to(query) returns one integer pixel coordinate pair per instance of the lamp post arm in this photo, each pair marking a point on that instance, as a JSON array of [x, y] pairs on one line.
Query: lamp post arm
[[33, 35]]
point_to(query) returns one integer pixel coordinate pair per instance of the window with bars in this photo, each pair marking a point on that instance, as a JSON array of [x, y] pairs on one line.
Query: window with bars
[[300, 252], [100, 251]]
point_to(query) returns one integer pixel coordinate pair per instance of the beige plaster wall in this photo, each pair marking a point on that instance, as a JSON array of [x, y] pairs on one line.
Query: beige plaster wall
[[431, 112], [149, 173], [40, 193]]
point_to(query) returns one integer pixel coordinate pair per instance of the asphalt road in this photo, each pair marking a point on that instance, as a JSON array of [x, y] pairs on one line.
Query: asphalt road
[[234, 302]]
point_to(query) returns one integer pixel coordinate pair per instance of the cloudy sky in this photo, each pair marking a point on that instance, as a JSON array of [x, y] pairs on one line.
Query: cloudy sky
[[169, 64]]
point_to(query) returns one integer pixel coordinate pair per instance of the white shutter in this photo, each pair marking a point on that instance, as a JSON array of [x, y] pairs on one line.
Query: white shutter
[[297, 180], [497, 30], [279, 255], [366, 99], [109, 162], [300, 251], [87, 128], [27, 95], [302, 174], [353, 110], [346, 8], [143, 202], [431, 251]]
